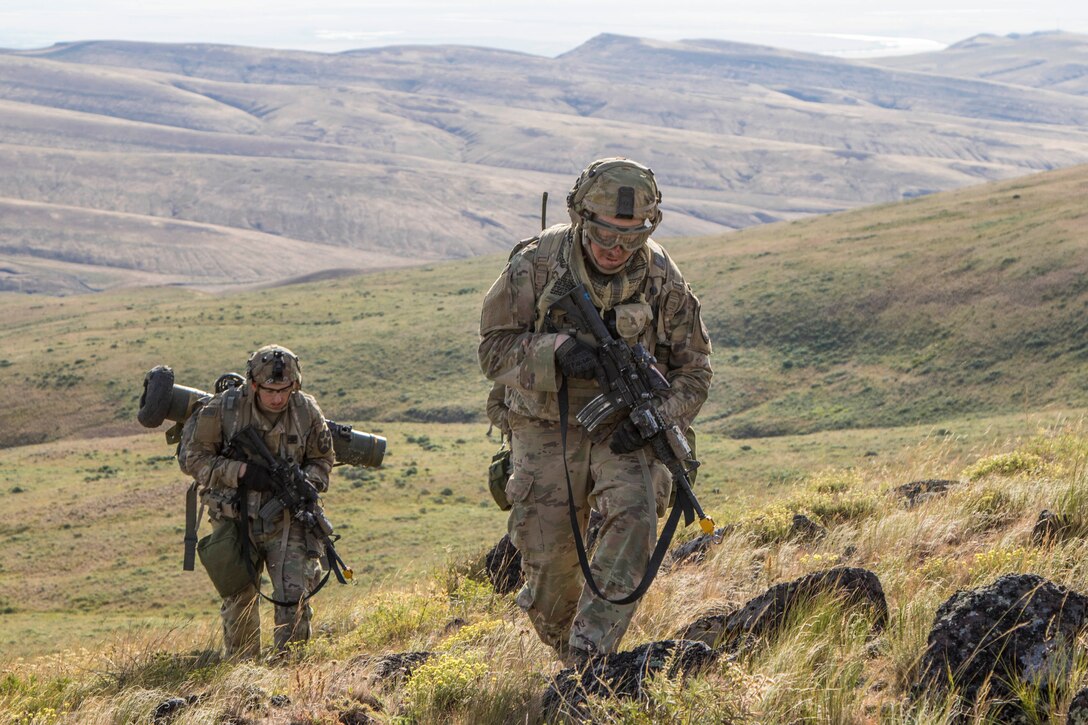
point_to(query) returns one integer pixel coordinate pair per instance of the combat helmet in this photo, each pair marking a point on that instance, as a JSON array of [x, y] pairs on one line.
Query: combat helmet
[[616, 187], [274, 364]]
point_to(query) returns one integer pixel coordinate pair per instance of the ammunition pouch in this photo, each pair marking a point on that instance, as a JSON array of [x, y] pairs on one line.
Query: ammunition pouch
[[498, 475], [221, 554], [222, 503]]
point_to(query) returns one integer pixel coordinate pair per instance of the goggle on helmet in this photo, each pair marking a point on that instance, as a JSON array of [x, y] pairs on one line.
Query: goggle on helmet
[[621, 189]]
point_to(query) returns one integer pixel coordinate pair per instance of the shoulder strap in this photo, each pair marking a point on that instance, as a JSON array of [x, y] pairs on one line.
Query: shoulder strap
[[304, 413], [232, 403], [665, 289], [548, 250]]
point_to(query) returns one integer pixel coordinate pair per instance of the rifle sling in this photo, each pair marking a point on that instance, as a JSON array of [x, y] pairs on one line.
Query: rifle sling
[[192, 521], [682, 505], [243, 514]]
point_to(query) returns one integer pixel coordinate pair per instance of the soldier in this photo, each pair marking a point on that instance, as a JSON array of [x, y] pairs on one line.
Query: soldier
[[614, 206], [294, 428]]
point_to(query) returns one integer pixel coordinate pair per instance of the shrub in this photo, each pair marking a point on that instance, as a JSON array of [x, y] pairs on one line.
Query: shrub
[[1004, 464], [442, 684]]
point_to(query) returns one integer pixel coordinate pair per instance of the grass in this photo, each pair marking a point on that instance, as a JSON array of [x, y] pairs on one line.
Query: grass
[[92, 540], [854, 353], [887, 316], [826, 665]]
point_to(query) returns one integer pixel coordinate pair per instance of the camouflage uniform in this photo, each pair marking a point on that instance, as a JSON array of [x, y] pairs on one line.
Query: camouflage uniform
[[517, 349], [292, 558]]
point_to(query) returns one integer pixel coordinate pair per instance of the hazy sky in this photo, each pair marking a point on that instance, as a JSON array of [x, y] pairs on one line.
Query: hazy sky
[[841, 27]]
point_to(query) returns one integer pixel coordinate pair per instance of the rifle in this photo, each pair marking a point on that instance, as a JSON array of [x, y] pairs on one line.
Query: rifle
[[631, 383], [291, 491]]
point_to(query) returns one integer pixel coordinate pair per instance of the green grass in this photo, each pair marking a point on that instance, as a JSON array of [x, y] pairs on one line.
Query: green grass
[[91, 543], [964, 303], [826, 665], [853, 353]]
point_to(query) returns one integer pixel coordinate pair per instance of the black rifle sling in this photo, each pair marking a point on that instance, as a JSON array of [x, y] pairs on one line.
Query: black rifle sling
[[191, 523], [682, 505], [243, 514]]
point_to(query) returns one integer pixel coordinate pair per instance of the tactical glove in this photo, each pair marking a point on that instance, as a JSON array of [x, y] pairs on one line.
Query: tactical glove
[[256, 478], [626, 439], [577, 359]]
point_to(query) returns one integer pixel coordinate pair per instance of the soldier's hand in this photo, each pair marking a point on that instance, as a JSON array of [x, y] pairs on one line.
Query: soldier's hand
[[577, 359], [256, 477], [626, 439]]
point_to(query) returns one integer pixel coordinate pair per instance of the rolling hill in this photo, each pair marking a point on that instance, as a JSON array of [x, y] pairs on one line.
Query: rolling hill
[[375, 158], [960, 303], [1053, 61]]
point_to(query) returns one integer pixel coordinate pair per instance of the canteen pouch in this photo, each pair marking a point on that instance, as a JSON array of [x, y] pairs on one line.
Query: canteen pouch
[[221, 554], [498, 475]]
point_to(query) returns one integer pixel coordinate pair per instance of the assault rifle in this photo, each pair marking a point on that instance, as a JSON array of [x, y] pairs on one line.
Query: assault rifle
[[292, 491], [631, 384]]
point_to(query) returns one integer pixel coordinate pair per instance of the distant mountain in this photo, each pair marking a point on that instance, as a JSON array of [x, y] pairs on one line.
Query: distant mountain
[[387, 156], [1054, 61]]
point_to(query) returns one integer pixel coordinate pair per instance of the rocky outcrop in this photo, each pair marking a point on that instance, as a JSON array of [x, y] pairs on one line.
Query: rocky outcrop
[[1050, 528], [805, 529], [1018, 630], [695, 551], [1078, 709], [917, 492], [623, 674], [764, 615], [393, 668], [503, 564]]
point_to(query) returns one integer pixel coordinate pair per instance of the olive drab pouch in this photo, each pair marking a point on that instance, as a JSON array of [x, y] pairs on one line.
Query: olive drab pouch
[[632, 320], [498, 475], [221, 554], [221, 503]]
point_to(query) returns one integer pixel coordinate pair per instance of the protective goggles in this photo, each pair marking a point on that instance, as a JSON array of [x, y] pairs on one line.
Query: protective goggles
[[607, 235]]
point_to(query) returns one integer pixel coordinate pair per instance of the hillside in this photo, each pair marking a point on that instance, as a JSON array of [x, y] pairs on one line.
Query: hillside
[[939, 341], [963, 303], [1053, 61], [407, 154], [452, 649]]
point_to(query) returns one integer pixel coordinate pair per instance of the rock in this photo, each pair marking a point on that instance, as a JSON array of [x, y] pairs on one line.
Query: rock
[[504, 566], [1019, 629], [279, 701], [454, 625], [395, 667], [355, 715], [1050, 528], [762, 616], [1078, 709], [916, 492], [694, 551], [167, 709], [805, 529], [622, 674]]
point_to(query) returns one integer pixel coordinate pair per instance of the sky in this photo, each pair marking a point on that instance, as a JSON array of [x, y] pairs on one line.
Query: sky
[[849, 28]]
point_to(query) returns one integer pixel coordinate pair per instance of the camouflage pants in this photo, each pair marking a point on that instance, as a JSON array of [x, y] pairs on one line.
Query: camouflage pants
[[630, 491], [294, 573]]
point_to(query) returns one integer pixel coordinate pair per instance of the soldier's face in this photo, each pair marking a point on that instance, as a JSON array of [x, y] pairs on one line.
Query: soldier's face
[[273, 398], [609, 260], [613, 257]]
